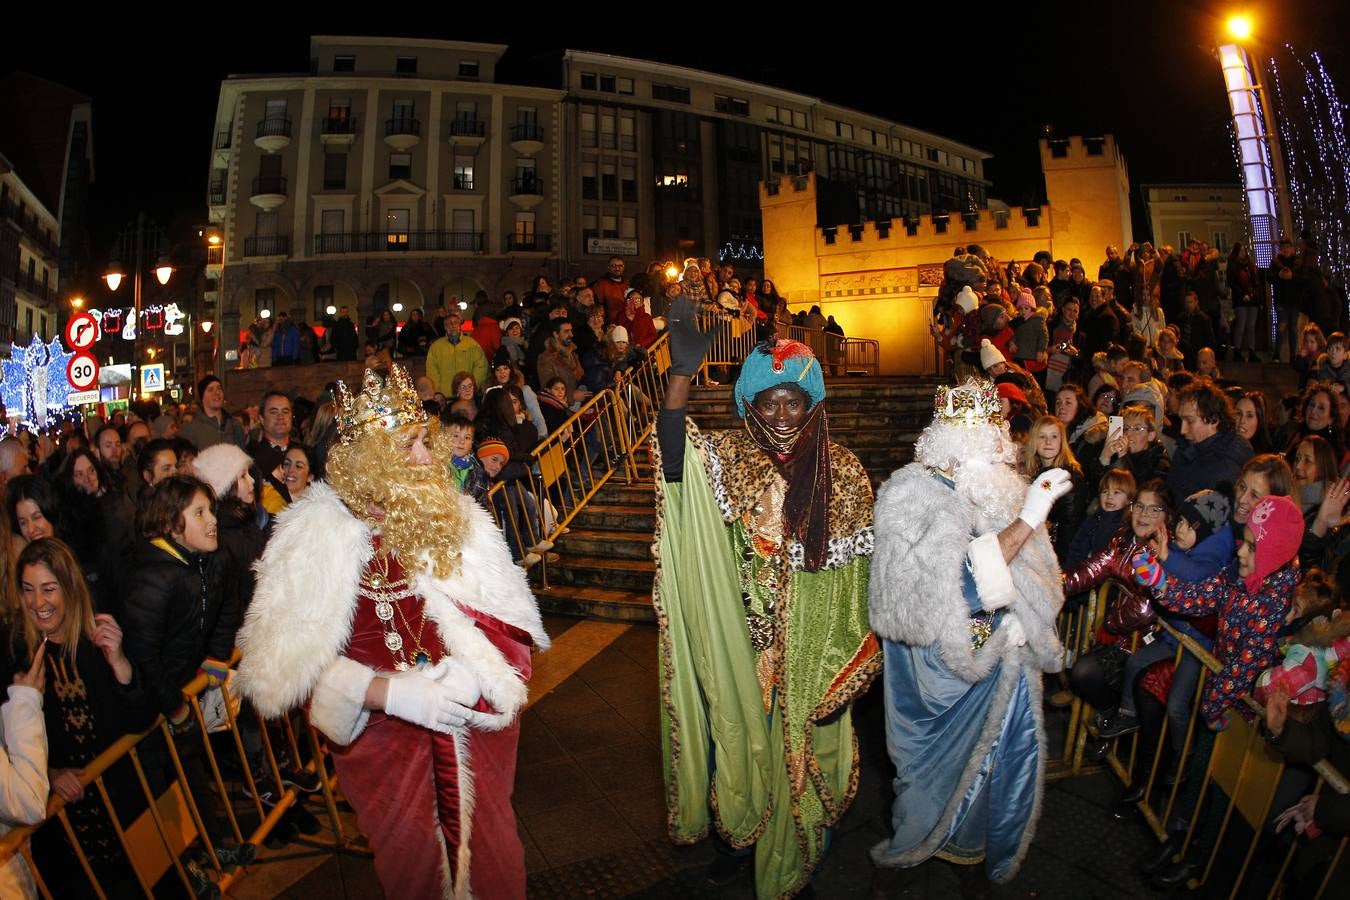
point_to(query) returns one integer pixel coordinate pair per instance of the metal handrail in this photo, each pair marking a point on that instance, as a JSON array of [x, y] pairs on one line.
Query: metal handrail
[[275, 126], [468, 128], [531, 184], [402, 125], [527, 131]]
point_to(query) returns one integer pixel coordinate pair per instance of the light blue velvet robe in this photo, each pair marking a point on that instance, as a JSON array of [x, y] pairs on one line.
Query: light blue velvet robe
[[966, 758]]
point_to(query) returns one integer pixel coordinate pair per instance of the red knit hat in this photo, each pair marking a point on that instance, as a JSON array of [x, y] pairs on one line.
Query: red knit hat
[[493, 447], [1277, 526], [1009, 391]]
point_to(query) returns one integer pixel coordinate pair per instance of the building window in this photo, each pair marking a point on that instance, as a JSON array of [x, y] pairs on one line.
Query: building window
[[609, 187], [589, 184], [466, 111], [607, 84], [588, 225], [1183, 238], [334, 171], [400, 165], [264, 298], [404, 110], [340, 109], [333, 221], [588, 81], [323, 298], [344, 64], [609, 225], [626, 86], [628, 184], [843, 130], [627, 132], [396, 227], [588, 129], [468, 70], [673, 180], [732, 105], [1220, 241], [670, 93], [628, 227], [525, 233], [608, 139], [405, 65], [463, 173], [462, 221]]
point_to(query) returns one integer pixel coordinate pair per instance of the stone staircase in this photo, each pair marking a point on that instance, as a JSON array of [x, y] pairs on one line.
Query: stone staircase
[[605, 568]]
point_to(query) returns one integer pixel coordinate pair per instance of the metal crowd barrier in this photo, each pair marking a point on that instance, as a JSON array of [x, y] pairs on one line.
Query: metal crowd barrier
[[862, 355], [158, 839], [1242, 766], [732, 339]]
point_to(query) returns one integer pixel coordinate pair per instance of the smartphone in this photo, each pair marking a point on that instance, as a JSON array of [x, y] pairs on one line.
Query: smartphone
[[1115, 427]]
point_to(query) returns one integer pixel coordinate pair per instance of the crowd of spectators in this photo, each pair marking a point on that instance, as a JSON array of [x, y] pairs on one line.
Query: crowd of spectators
[[1210, 511]]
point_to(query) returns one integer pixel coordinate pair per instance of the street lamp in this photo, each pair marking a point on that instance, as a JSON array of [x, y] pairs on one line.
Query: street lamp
[[114, 277], [77, 302], [1240, 27], [206, 326]]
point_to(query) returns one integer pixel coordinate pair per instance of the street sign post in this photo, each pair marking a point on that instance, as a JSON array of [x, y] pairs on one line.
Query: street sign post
[[81, 332], [152, 378], [82, 372]]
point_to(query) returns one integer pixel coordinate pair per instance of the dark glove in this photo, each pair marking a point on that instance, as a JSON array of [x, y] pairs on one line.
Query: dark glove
[[688, 345]]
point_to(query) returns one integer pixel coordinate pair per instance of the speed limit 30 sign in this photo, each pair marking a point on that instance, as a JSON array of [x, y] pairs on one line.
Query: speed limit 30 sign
[[82, 372]]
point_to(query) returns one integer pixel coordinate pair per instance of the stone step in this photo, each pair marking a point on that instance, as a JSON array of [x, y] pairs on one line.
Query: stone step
[[619, 517], [605, 542], [596, 603], [639, 493], [605, 572]]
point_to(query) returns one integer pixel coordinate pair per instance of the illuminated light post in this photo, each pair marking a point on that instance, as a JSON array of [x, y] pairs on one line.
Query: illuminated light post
[[114, 278], [1263, 177]]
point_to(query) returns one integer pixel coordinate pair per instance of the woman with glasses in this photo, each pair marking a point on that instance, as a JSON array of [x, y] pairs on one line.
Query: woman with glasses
[[1137, 449]]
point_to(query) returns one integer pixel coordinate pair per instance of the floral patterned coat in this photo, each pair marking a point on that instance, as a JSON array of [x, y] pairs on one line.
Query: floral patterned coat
[[1248, 638]]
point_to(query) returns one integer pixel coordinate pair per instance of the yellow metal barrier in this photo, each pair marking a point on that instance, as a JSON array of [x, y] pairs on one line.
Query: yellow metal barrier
[[173, 820], [1242, 765], [862, 355], [732, 338]]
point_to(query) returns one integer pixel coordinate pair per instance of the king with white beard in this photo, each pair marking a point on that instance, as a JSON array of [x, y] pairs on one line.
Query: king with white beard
[[964, 592]]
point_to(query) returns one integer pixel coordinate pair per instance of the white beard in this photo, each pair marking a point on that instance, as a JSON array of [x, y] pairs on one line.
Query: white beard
[[980, 461]]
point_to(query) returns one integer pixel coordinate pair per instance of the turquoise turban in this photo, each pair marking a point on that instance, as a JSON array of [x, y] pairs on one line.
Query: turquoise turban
[[772, 365]]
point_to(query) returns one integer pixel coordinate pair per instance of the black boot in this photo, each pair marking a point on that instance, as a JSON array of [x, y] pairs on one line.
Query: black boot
[[1129, 800], [1177, 874], [1161, 857]]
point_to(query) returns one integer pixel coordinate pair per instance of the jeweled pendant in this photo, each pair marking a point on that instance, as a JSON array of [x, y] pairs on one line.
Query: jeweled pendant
[[422, 659], [400, 666], [394, 641], [384, 610]]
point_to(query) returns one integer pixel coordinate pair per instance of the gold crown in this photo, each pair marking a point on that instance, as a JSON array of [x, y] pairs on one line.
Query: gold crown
[[972, 404], [383, 404]]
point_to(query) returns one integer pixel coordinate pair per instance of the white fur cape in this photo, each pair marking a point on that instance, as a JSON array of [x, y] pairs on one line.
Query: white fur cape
[[915, 596], [301, 616]]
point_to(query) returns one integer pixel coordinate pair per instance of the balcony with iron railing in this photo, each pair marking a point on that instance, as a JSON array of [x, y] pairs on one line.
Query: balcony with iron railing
[[269, 191], [527, 243], [339, 130], [402, 132], [273, 134], [268, 245], [465, 132], [527, 138], [36, 290], [527, 190], [399, 241]]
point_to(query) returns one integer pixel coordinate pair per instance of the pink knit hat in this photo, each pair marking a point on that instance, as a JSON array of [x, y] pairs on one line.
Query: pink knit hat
[[1026, 302], [1277, 525]]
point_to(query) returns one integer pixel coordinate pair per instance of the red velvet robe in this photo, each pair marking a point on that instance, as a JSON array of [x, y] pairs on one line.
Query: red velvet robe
[[416, 792]]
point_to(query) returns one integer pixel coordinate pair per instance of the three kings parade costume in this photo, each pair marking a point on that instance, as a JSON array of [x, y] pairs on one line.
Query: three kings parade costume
[[392, 573], [762, 542], [967, 632]]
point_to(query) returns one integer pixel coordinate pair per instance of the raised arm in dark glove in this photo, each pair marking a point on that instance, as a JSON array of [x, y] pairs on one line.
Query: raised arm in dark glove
[[688, 347]]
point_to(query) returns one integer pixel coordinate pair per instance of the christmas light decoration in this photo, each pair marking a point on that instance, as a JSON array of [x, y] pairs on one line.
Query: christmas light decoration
[[34, 387]]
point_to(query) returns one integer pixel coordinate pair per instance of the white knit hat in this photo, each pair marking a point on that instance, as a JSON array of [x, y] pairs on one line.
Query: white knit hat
[[619, 333], [989, 355], [967, 300], [220, 466]]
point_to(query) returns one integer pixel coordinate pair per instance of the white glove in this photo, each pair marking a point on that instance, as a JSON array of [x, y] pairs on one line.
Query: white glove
[[1044, 490], [458, 680], [1013, 629], [417, 696]]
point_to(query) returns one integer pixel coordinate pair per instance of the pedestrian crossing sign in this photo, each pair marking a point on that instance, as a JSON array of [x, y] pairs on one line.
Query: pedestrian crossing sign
[[152, 378]]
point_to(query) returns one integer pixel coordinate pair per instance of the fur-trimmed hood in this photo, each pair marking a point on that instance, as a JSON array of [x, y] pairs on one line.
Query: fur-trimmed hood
[[301, 615], [924, 533]]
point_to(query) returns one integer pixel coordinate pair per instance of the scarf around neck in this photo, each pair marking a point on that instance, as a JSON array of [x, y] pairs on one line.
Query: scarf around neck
[[803, 459]]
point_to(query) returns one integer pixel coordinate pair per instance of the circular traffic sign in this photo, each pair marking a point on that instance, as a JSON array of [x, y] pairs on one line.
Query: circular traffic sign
[[82, 371], [81, 332]]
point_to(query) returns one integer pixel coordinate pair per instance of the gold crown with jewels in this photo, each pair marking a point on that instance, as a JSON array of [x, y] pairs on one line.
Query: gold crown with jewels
[[970, 405], [383, 404]]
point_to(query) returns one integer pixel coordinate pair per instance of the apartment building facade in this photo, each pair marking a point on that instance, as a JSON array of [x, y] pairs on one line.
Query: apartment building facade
[[399, 173]]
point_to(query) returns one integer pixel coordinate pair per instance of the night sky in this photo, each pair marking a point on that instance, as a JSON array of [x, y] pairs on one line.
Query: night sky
[[992, 79]]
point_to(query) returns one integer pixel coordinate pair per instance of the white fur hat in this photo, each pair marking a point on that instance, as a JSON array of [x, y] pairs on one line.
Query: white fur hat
[[989, 355], [220, 466], [619, 333], [967, 300]]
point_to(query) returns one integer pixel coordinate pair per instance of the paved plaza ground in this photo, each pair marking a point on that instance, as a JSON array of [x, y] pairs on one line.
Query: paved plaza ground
[[588, 801]]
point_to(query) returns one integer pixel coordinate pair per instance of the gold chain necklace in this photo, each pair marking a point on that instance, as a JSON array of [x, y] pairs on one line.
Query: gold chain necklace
[[388, 596]]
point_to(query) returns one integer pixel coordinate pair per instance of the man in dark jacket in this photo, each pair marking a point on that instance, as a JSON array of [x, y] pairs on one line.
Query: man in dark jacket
[[1100, 325], [1197, 329], [1211, 452], [343, 340]]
